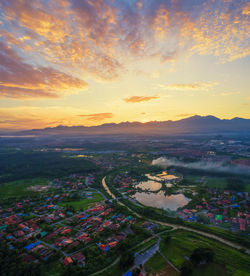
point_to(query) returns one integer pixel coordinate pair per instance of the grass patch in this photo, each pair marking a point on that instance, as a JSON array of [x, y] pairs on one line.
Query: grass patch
[[53, 269], [19, 188], [210, 269], [183, 243], [111, 271], [212, 182], [155, 263], [84, 203]]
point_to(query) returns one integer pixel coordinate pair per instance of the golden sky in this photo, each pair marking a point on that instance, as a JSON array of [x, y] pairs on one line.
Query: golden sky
[[83, 62]]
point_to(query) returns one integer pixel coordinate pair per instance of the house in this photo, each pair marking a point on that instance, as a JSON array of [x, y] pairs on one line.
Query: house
[[67, 261], [79, 258], [19, 233], [103, 247]]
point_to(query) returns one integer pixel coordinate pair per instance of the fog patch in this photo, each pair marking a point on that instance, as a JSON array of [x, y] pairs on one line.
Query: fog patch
[[201, 165]]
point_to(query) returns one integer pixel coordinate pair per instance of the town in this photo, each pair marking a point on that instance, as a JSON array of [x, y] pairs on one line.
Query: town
[[128, 211]]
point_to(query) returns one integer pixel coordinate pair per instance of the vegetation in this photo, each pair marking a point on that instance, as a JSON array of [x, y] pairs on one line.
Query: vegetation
[[82, 204], [202, 255], [235, 184], [155, 264], [20, 188], [16, 165], [11, 263], [161, 215], [184, 243]]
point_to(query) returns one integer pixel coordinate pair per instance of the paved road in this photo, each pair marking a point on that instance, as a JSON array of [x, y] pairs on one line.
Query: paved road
[[141, 259], [53, 247], [176, 226]]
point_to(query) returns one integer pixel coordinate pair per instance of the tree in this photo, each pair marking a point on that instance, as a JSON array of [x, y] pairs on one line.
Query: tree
[[203, 219], [235, 184], [186, 268], [202, 255], [167, 239], [127, 260]]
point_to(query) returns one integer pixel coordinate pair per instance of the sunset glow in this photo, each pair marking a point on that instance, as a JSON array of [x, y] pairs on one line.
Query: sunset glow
[[83, 62]]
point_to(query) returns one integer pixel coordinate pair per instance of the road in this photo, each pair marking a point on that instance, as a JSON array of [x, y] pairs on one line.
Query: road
[[176, 226], [51, 246], [141, 259]]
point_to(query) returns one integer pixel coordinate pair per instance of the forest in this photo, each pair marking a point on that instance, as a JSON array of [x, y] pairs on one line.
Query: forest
[[17, 165]]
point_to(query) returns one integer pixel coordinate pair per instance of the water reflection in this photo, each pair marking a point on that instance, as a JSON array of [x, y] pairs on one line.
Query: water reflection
[[159, 200], [149, 185]]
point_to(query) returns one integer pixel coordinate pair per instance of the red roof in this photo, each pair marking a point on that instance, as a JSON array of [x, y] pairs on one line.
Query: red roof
[[67, 261], [66, 231], [78, 256], [242, 227], [113, 244]]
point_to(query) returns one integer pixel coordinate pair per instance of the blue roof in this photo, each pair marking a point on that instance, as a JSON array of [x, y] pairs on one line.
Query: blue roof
[[31, 245], [129, 273]]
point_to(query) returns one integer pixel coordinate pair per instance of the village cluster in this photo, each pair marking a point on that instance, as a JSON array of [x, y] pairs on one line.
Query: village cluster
[[43, 229], [229, 209]]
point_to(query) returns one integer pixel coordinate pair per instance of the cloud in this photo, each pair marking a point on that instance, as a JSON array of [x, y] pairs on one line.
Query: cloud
[[196, 86], [230, 93], [185, 115], [138, 99], [22, 80], [97, 116], [19, 121], [27, 117], [99, 38]]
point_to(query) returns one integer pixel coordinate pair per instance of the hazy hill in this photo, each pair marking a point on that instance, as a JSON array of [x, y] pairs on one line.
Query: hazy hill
[[191, 125]]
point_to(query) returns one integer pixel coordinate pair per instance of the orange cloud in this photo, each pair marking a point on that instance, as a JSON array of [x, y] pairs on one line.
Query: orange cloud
[[21, 80], [189, 86], [23, 117], [138, 99], [97, 116], [246, 9], [100, 37]]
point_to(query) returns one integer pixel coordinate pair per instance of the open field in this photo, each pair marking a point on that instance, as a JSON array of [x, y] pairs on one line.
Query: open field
[[19, 188], [227, 261], [84, 203], [155, 263], [214, 182], [111, 271]]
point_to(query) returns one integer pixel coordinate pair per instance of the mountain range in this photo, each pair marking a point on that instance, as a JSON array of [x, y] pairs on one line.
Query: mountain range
[[192, 125]]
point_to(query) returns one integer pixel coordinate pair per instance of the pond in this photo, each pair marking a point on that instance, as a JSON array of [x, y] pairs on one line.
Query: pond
[[149, 185], [162, 201]]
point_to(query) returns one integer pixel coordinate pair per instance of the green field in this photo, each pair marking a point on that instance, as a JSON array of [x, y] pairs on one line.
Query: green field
[[19, 188], [111, 271], [212, 182], [227, 261], [155, 263], [84, 203]]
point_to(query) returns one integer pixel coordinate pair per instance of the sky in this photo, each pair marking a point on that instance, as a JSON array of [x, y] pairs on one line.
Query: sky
[[89, 62]]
